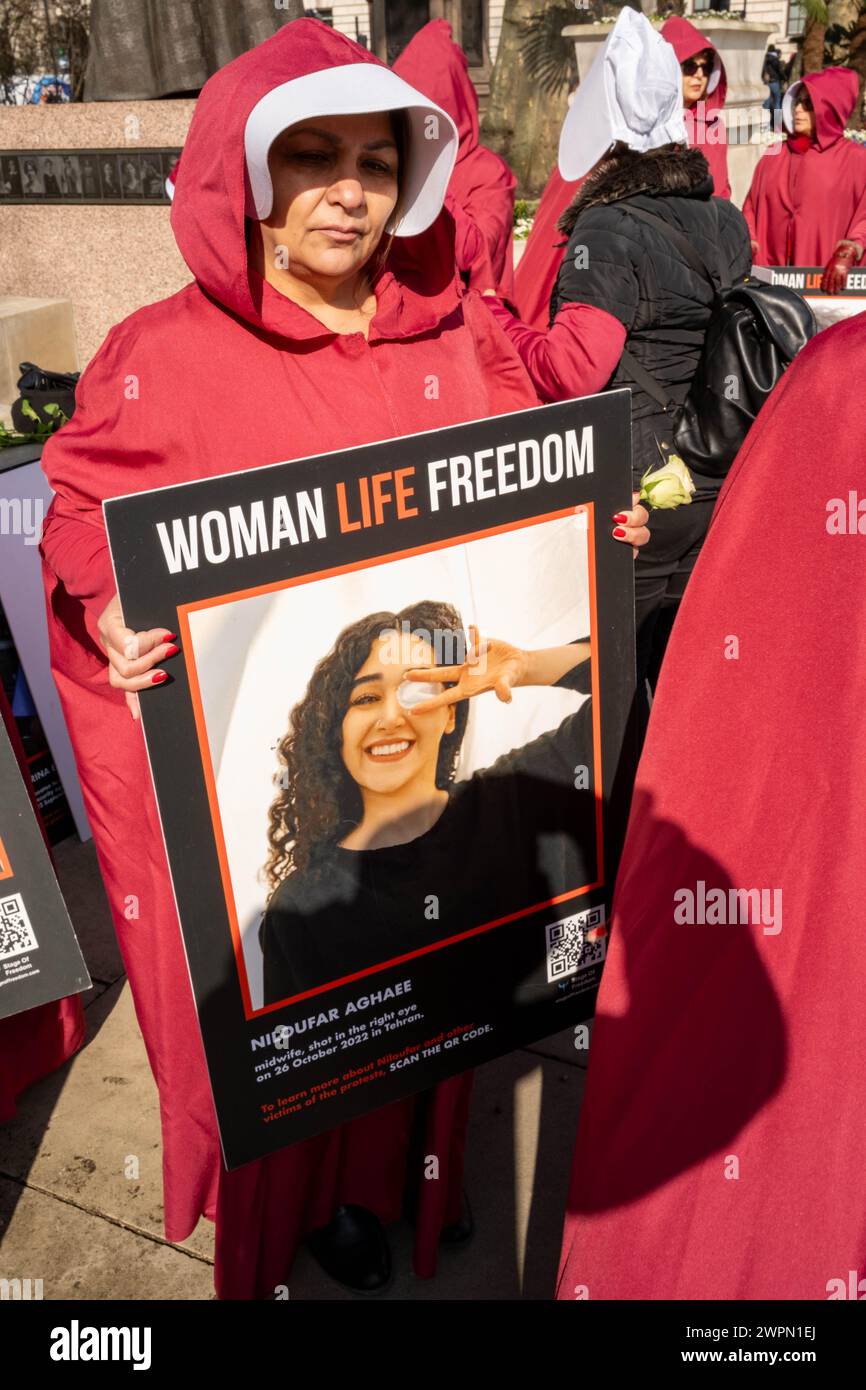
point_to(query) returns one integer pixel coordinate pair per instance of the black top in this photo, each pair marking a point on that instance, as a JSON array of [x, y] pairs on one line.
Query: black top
[[512, 835], [632, 271]]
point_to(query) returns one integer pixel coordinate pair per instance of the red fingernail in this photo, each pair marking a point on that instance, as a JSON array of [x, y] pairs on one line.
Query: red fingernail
[[619, 532], [621, 516], [172, 636], [158, 677], [172, 651]]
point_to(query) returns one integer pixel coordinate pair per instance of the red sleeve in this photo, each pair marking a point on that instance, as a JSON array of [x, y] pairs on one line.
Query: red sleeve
[[577, 356], [75, 461], [470, 249], [507, 384], [749, 212], [492, 210], [857, 226]]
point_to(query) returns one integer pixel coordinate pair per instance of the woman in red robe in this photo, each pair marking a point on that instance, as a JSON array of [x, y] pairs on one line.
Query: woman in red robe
[[704, 94], [252, 363], [721, 1140], [481, 192], [539, 264], [807, 202]]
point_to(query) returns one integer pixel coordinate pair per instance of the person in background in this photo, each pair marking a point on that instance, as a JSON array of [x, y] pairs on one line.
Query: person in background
[[50, 181], [807, 202], [623, 284], [773, 75], [705, 86], [481, 192], [69, 178]]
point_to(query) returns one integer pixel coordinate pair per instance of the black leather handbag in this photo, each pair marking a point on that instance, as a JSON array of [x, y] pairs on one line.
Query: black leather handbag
[[40, 388], [755, 332]]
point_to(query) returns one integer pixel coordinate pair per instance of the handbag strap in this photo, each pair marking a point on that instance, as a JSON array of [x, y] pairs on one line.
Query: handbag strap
[[650, 384], [683, 245]]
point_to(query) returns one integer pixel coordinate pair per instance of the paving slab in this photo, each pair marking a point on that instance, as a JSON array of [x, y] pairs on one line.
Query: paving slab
[[78, 1254], [84, 893], [90, 1133]]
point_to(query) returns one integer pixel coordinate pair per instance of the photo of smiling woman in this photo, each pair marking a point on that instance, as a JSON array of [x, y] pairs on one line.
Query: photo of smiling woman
[[376, 849]]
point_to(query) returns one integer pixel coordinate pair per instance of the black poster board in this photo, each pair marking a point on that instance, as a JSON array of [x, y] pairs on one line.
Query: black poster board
[[464, 924], [806, 280], [40, 958]]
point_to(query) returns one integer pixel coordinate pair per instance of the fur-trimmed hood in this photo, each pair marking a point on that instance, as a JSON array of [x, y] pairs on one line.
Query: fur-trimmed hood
[[670, 170]]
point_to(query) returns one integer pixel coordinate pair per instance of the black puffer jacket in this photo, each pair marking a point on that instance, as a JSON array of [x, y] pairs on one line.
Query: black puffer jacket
[[619, 263]]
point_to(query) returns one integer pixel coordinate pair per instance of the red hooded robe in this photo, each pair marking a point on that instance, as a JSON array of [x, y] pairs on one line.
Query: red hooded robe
[[481, 191], [229, 374], [721, 1139], [538, 267], [705, 123], [803, 203]]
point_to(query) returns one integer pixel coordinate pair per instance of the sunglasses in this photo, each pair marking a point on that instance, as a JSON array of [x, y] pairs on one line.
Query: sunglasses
[[694, 65]]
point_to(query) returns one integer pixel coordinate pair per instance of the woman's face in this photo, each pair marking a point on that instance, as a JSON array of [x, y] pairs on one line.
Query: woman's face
[[804, 114], [696, 76], [335, 181], [384, 746]]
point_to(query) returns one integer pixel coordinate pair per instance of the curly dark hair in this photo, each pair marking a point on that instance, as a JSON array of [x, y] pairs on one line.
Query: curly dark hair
[[319, 802]]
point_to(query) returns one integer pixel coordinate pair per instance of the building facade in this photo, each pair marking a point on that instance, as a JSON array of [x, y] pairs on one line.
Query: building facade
[[386, 26], [787, 17]]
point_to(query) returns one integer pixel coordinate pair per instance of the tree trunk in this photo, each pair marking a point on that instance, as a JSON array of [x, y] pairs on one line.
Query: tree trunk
[[857, 61], [522, 122], [813, 46]]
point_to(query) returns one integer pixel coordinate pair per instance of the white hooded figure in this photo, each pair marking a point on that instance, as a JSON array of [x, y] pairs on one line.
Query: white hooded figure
[[632, 93]]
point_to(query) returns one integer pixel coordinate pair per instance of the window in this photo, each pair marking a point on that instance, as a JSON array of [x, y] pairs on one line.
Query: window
[[796, 18]]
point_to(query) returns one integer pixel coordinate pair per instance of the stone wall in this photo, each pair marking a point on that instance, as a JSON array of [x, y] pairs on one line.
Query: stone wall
[[108, 260]]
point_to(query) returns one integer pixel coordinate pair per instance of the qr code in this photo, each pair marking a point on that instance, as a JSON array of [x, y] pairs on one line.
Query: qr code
[[16, 933], [568, 950]]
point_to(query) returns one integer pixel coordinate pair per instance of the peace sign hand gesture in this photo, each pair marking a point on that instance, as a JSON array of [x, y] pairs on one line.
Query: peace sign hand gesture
[[490, 664]]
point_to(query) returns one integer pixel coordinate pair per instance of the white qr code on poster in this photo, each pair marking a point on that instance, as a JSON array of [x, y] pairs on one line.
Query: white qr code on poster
[[568, 950], [16, 933]]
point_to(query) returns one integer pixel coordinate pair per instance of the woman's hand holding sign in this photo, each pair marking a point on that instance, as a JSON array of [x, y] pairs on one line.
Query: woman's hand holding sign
[[133, 655]]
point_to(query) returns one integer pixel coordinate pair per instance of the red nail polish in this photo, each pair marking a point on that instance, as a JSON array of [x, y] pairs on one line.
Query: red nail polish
[[172, 651], [158, 677], [621, 516], [619, 532], [172, 636]]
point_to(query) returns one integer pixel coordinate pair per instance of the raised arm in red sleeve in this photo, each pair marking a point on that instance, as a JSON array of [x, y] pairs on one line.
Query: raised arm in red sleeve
[[577, 356]]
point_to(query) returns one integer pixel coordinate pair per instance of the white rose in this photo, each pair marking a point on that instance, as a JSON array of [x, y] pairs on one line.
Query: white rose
[[669, 486]]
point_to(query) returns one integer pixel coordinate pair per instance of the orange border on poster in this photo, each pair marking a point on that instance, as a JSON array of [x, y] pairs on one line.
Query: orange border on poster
[[6, 870], [210, 779]]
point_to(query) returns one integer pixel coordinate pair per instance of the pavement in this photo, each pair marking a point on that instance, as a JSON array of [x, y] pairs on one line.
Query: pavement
[[81, 1173]]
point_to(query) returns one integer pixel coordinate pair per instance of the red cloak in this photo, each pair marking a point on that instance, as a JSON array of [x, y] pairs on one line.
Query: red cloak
[[228, 374], [802, 204], [37, 1041], [481, 191], [539, 265], [705, 123], [721, 1140]]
